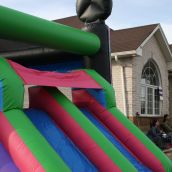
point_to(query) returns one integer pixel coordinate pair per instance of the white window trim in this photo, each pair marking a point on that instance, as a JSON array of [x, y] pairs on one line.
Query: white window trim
[[146, 109], [153, 87]]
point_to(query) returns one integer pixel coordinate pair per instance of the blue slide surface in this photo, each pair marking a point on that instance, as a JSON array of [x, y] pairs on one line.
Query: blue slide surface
[[6, 163], [70, 154], [138, 165]]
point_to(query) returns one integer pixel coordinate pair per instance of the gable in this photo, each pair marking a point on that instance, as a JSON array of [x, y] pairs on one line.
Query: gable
[[153, 50]]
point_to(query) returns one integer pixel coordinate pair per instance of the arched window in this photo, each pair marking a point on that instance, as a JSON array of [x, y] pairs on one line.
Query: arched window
[[150, 84]]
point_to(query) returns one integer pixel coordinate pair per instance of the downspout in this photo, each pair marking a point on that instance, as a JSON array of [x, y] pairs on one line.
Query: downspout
[[123, 87], [123, 90]]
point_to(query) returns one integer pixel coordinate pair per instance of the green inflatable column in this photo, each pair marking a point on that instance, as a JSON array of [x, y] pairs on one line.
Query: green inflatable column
[[19, 26]]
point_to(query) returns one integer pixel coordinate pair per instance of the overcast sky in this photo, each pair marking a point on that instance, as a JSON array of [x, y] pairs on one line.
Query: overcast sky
[[126, 13]]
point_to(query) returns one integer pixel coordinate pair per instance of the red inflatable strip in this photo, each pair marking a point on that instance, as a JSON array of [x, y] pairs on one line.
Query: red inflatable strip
[[72, 129], [81, 97], [75, 79], [19, 152]]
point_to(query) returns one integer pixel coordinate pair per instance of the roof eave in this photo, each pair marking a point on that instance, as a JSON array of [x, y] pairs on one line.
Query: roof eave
[[159, 34], [124, 54]]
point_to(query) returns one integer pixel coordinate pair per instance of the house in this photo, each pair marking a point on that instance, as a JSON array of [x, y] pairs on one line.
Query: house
[[141, 69], [141, 60]]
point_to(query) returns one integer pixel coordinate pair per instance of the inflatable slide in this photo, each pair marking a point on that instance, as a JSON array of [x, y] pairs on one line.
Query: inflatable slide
[[55, 134]]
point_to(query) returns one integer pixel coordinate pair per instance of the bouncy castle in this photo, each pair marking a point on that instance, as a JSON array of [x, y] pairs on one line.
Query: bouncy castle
[[55, 134]]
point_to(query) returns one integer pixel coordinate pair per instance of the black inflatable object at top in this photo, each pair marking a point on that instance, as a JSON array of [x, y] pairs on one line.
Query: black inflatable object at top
[[92, 10], [100, 62]]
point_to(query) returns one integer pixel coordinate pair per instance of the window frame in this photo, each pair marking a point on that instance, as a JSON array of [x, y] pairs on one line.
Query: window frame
[[153, 87]]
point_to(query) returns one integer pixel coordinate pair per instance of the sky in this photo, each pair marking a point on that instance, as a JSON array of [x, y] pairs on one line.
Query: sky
[[125, 13]]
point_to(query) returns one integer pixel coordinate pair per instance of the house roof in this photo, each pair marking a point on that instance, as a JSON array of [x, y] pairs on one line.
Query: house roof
[[121, 40], [71, 21], [131, 38]]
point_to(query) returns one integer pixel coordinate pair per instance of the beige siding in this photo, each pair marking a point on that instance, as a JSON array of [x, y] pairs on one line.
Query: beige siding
[[26, 97], [123, 85], [117, 84], [66, 91], [128, 78]]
